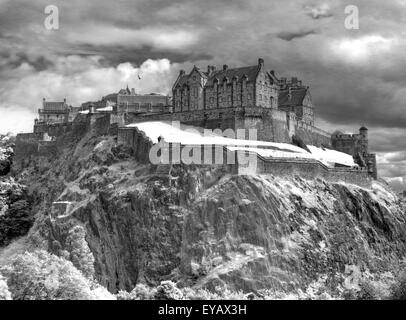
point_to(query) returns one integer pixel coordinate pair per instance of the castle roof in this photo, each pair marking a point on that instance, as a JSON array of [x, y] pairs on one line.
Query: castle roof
[[51, 105], [250, 72], [296, 97]]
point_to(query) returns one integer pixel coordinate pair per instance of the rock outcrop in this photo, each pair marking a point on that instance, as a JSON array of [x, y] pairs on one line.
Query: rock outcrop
[[126, 223]]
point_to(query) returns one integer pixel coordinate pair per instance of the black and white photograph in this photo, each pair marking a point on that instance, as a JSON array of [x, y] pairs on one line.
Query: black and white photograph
[[205, 156]]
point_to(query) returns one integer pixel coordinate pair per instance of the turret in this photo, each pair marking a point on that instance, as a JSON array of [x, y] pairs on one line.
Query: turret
[[363, 131]]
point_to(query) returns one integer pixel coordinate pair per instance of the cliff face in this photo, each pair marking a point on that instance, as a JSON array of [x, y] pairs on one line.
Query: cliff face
[[15, 215], [127, 223]]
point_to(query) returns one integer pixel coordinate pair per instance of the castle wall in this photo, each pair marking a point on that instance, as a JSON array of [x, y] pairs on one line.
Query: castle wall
[[136, 139], [312, 135], [305, 168], [310, 170], [271, 124]]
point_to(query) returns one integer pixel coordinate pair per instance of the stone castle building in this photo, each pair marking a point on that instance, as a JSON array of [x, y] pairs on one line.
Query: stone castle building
[[251, 97], [357, 146], [247, 98], [295, 97], [126, 100], [54, 112]]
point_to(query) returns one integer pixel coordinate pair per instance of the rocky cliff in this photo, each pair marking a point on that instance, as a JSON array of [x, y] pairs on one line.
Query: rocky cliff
[[126, 223]]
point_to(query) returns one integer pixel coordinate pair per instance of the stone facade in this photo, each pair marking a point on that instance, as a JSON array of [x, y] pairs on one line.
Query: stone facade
[[357, 146], [295, 97], [227, 88], [54, 112], [129, 101]]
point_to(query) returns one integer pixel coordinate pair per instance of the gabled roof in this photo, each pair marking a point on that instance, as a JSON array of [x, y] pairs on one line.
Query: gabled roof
[[184, 78], [296, 99], [251, 72]]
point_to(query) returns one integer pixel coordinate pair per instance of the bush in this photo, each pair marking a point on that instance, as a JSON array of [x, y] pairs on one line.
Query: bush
[[398, 290], [168, 290], [80, 254], [4, 293], [140, 292], [16, 222], [368, 291], [42, 276]]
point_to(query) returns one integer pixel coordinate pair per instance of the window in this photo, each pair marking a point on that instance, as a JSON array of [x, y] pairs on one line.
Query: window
[[260, 97], [229, 98], [249, 96], [211, 100], [195, 92]]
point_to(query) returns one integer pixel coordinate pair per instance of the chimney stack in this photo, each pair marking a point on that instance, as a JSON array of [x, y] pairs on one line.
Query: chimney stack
[[225, 67], [261, 62], [211, 69], [182, 72]]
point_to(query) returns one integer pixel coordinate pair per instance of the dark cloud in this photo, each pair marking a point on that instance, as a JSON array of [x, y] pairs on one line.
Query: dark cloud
[[289, 36], [114, 55]]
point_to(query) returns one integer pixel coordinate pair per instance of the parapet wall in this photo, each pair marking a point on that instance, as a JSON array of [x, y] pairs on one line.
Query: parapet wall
[[312, 135], [137, 140], [49, 138], [271, 124], [306, 168], [311, 169]]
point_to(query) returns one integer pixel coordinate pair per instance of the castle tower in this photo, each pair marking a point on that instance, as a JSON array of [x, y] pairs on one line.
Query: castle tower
[[363, 131]]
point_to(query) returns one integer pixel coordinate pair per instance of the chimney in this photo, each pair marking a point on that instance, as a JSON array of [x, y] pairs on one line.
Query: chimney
[[273, 72], [182, 72], [294, 80], [260, 62], [210, 70], [225, 67]]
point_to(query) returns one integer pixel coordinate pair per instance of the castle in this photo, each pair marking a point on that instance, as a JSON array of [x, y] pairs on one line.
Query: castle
[[251, 97]]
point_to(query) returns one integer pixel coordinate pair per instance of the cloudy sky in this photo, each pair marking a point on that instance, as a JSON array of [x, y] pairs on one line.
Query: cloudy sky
[[356, 76]]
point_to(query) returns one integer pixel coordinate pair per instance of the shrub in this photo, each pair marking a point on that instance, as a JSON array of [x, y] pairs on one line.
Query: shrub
[[42, 276], [4, 293], [168, 290], [80, 254], [367, 291], [398, 290], [140, 292]]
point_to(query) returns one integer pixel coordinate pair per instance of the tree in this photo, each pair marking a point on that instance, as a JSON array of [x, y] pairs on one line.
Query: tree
[[4, 293], [40, 275]]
